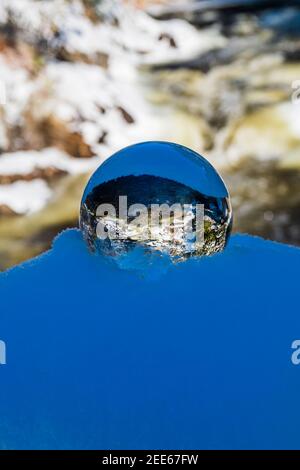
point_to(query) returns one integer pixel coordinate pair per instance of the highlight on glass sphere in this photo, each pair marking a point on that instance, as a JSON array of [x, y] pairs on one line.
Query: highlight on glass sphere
[[158, 196]]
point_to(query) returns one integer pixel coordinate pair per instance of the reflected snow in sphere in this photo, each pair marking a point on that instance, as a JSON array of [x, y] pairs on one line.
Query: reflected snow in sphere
[[158, 198]]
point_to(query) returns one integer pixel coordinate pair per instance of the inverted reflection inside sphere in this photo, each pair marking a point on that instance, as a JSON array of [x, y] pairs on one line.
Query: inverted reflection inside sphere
[[150, 196]]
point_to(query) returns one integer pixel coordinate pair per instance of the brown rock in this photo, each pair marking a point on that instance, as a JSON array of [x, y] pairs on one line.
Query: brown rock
[[52, 132], [6, 211], [100, 58], [169, 38], [102, 138], [47, 174], [126, 116]]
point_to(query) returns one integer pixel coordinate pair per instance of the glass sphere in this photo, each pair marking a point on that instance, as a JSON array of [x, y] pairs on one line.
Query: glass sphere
[[160, 197]]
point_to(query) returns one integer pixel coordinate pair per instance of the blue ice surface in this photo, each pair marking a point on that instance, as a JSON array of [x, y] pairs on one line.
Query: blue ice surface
[[163, 159], [102, 358]]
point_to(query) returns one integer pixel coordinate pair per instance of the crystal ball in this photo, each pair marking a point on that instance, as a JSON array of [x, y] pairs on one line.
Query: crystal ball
[[158, 197]]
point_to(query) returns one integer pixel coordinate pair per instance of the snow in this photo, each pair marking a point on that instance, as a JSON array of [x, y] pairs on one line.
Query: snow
[[24, 162], [17, 88], [25, 196], [99, 357], [79, 92]]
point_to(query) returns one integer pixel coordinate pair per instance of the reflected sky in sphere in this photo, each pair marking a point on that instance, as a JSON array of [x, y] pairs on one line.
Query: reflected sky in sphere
[[159, 198]]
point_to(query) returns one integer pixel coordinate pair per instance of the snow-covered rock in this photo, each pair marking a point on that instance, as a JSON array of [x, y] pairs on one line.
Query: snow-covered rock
[[27, 192], [72, 82]]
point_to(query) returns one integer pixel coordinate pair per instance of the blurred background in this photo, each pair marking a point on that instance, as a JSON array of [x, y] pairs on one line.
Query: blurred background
[[80, 79]]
